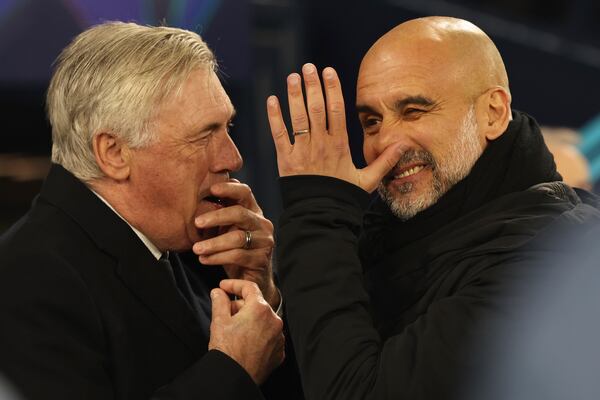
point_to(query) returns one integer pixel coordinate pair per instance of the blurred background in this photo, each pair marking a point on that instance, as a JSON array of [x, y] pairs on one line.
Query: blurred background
[[551, 49]]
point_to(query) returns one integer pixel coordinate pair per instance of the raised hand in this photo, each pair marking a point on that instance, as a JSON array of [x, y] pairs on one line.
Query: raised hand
[[247, 330], [245, 244], [320, 139]]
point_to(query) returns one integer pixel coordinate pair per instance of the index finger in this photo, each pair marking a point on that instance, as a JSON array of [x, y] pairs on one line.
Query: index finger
[[239, 192], [233, 215], [245, 289], [336, 111]]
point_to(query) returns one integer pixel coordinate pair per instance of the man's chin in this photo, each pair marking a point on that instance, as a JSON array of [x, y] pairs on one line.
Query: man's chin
[[406, 205]]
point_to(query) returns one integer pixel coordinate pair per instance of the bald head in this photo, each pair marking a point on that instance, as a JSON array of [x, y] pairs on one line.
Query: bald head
[[452, 47], [437, 88]]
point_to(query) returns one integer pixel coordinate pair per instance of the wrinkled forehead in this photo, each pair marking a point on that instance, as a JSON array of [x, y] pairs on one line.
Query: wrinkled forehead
[[412, 69]]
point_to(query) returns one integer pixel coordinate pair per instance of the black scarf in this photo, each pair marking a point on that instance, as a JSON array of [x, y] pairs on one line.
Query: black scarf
[[515, 161]]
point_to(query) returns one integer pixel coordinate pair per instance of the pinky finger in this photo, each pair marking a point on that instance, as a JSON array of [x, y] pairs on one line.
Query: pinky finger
[[278, 129]]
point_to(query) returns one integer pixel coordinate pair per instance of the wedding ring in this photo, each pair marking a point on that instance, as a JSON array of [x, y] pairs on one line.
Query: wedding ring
[[248, 242], [301, 132]]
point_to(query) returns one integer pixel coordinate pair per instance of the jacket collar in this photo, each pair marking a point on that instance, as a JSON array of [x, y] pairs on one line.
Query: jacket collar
[[136, 266]]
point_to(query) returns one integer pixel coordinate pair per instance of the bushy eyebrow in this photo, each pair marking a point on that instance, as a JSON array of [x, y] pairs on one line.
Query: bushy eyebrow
[[400, 104], [416, 100]]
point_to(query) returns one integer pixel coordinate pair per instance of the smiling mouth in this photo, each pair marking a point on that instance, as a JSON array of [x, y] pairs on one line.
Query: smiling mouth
[[408, 172], [404, 172]]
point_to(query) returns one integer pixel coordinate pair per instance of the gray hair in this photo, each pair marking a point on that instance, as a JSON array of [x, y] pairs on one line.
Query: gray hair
[[112, 78]]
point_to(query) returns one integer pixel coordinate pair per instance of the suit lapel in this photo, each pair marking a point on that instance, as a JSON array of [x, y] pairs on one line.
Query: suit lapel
[[136, 266], [154, 286]]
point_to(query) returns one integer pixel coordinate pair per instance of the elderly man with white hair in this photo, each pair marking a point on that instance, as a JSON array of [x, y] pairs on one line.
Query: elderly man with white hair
[[95, 301]]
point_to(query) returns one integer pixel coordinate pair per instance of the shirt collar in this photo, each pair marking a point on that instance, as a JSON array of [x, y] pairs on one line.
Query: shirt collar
[[153, 249]]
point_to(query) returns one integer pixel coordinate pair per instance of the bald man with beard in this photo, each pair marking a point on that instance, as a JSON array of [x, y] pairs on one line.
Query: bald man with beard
[[387, 303]]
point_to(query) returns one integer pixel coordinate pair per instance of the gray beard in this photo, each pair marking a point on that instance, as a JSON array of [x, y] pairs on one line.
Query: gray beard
[[462, 156]]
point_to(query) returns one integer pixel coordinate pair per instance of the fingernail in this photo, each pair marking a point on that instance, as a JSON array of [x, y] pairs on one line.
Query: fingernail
[[213, 293], [294, 79], [272, 101], [198, 248], [200, 221], [308, 68], [328, 73]]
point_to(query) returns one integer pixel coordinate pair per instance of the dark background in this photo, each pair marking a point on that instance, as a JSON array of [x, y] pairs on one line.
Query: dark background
[[551, 49]]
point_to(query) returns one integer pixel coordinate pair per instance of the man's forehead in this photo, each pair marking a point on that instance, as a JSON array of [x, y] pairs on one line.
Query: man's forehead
[[399, 82]]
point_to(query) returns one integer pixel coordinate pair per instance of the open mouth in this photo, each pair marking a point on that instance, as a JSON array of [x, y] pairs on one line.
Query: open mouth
[[404, 172], [409, 171], [215, 200]]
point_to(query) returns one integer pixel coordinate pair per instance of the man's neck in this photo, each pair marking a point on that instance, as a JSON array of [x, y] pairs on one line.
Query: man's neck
[[116, 207]]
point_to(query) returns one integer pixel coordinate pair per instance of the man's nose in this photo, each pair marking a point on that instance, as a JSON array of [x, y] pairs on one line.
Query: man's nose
[[388, 135], [225, 155]]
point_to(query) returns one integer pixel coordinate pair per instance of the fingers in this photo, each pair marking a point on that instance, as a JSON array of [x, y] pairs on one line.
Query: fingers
[[374, 172], [255, 259], [235, 215], [240, 193], [245, 289], [298, 113], [336, 111], [279, 132], [314, 99], [235, 239], [221, 305]]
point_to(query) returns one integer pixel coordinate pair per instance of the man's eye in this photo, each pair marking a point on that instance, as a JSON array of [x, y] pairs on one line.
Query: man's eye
[[370, 122], [413, 111]]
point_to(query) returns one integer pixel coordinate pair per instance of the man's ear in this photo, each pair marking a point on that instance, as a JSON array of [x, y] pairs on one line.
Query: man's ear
[[112, 156], [497, 113]]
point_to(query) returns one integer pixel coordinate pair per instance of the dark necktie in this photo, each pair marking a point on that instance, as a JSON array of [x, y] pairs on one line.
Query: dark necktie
[[201, 309]]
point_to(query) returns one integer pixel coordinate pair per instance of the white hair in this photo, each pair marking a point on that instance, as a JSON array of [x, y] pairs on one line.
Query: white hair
[[112, 78]]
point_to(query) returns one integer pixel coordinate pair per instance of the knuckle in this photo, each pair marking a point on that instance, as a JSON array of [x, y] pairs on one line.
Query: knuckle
[[254, 286], [270, 241], [279, 326], [299, 120], [245, 188], [281, 133], [316, 109], [336, 107], [241, 237], [269, 225]]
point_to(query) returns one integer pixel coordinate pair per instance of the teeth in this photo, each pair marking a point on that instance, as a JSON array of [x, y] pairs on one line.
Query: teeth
[[409, 172]]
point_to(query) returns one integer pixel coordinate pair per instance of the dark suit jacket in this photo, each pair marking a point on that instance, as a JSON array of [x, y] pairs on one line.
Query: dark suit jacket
[[88, 313]]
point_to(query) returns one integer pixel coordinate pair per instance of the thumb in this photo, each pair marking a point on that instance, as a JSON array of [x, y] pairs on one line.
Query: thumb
[[221, 305], [371, 175]]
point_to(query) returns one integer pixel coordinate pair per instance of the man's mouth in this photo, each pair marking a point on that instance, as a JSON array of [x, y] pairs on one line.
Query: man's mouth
[[215, 200], [408, 172], [404, 172]]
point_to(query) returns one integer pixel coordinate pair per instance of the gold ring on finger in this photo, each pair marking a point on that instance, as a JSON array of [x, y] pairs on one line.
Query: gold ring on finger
[[248, 241], [301, 132]]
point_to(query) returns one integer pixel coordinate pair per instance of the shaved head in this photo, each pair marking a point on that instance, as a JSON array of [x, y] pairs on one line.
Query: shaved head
[[438, 86], [459, 48]]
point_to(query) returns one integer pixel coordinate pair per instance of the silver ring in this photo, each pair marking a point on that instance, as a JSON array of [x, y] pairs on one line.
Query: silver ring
[[301, 132], [248, 242]]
